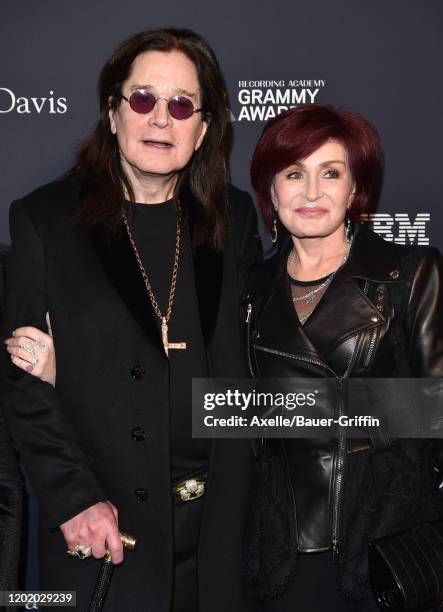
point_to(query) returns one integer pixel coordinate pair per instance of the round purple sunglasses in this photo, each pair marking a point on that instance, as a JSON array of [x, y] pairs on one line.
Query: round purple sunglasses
[[143, 102]]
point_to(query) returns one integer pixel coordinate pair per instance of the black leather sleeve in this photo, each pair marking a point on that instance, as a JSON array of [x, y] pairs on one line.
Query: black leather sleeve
[[424, 317], [56, 466], [424, 322]]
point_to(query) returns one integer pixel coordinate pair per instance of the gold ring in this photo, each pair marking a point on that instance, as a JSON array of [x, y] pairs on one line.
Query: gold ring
[[80, 551], [189, 489]]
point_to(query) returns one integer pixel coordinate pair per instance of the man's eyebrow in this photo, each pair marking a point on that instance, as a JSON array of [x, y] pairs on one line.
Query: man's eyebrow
[[134, 87], [184, 92], [179, 91]]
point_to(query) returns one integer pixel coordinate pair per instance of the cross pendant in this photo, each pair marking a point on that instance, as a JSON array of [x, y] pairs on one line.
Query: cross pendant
[[169, 345]]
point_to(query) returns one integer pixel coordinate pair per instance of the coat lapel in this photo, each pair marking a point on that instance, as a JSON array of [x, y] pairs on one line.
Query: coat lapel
[[343, 311], [119, 263], [121, 267], [280, 329]]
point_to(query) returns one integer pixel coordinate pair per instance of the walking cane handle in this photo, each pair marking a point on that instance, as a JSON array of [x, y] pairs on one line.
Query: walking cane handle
[[129, 541]]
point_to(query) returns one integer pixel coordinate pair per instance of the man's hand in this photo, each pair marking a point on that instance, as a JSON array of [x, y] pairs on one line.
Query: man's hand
[[97, 527]]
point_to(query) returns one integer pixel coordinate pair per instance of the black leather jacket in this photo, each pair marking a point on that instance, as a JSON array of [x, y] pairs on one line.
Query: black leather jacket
[[381, 317]]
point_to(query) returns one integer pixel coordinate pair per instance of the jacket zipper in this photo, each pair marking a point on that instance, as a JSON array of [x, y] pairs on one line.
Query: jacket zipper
[[371, 348], [291, 488], [341, 442], [341, 447], [296, 357], [341, 453], [338, 481], [248, 313], [374, 334], [341, 450], [248, 339]]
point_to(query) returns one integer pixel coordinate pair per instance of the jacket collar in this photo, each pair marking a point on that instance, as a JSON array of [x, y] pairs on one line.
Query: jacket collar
[[120, 265], [373, 258], [370, 257], [344, 310]]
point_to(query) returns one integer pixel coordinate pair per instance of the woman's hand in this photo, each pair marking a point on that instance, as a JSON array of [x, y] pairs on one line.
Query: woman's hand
[[33, 350]]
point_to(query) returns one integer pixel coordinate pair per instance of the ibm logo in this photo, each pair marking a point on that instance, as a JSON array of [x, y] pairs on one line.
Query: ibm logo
[[399, 228]]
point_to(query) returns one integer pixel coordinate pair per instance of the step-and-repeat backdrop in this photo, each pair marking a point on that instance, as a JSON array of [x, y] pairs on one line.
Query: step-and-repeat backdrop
[[380, 58]]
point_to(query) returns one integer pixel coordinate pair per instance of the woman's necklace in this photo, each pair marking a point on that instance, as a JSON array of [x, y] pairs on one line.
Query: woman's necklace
[[309, 297]]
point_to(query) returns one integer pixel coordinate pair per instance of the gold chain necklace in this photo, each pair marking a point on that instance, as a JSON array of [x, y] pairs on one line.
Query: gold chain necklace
[[163, 318]]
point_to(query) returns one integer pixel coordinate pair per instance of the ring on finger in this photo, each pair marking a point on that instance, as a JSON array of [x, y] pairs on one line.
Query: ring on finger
[[27, 345], [41, 345], [30, 346], [80, 551]]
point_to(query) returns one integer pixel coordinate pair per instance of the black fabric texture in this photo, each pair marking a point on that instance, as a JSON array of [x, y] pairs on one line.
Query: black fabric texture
[[155, 234], [11, 485]]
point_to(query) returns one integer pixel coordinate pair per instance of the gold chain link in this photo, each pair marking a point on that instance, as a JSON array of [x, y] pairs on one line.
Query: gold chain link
[[154, 302]]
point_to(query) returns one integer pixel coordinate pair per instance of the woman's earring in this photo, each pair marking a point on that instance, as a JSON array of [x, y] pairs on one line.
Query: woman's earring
[[348, 230], [274, 231]]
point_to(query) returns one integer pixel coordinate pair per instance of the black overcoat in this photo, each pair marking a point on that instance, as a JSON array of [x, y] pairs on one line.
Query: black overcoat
[[75, 440], [11, 486]]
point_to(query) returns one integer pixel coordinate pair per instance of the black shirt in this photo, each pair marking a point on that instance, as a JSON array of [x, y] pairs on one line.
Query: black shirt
[[154, 227]]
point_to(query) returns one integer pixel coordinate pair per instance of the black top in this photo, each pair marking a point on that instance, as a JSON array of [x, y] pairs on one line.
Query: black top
[[155, 234], [310, 283]]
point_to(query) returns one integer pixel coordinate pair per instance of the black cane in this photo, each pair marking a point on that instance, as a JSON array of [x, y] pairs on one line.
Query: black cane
[[105, 575]]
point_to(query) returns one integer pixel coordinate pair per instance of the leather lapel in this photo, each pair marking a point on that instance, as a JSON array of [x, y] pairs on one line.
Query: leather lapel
[[120, 265], [280, 329], [343, 312]]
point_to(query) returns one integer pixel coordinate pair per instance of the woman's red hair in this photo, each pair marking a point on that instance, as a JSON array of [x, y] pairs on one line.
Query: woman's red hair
[[297, 133]]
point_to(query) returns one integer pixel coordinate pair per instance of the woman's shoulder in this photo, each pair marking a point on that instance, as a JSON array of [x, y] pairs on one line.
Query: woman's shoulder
[[406, 258]]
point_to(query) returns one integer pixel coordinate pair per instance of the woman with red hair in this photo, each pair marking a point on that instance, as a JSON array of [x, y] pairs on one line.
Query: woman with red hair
[[335, 302]]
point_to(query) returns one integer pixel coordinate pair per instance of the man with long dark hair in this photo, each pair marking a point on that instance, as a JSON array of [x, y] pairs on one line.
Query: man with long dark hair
[[139, 254]]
